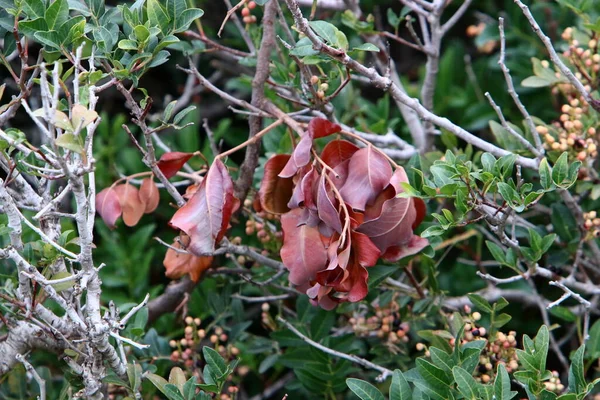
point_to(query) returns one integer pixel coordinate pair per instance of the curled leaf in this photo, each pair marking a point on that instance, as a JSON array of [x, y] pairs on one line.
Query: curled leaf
[[275, 192], [178, 264], [368, 174], [205, 217], [317, 127], [132, 207], [170, 163], [108, 206], [326, 206], [393, 226], [320, 127], [303, 252], [149, 195], [300, 157]]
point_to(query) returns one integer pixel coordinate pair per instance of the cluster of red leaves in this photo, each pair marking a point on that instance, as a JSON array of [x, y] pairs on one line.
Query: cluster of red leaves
[[204, 219], [128, 201], [341, 214]]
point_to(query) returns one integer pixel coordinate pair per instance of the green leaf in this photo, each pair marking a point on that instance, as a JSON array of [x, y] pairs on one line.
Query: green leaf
[[181, 114], [560, 172], [59, 287], [509, 194], [467, 385], [57, 14], [189, 389], [172, 392], [442, 359], [326, 30], [186, 18], [478, 300], [48, 38], [29, 28], [577, 372], [436, 377], [400, 390], [134, 373], [536, 82], [70, 142], [496, 251], [157, 15], [157, 381], [215, 361], [141, 33], [126, 44], [502, 384], [563, 313], [592, 347], [364, 390], [367, 47], [303, 48], [501, 320], [546, 175], [541, 343], [488, 161], [34, 8], [564, 223]]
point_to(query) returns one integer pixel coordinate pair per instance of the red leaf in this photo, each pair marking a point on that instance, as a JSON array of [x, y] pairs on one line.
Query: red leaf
[[108, 206], [303, 252], [321, 295], [368, 174], [172, 162], [205, 216], [149, 195], [275, 192], [365, 251], [421, 209], [317, 127], [178, 264], [320, 127], [328, 213], [336, 269], [356, 285], [393, 227], [337, 151], [132, 207], [300, 157], [415, 245], [303, 193]]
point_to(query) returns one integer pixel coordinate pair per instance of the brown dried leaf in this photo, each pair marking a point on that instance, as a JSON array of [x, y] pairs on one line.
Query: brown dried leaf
[[132, 207], [149, 195]]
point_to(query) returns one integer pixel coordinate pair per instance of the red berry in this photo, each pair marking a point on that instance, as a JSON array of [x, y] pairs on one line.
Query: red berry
[[251, 5], [245, 11]]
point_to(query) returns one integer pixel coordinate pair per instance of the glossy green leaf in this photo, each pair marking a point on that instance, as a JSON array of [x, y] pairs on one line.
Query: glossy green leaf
[[364, 390]]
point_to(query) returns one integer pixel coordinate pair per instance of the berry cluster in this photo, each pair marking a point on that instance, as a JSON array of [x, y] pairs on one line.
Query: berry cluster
[[553, 384], [260, 224], [586, 60], [570, 134], [322, 86], [187, 351], [592, 224], [575, 131], [384, 324], [248, 18], [500, 350]]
